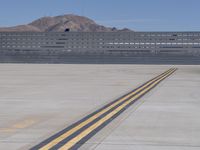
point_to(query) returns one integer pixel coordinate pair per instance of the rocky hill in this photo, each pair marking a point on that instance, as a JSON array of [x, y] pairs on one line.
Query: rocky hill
[[61, 23]]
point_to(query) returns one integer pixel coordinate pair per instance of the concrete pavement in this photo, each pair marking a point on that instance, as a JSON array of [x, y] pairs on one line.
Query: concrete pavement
[[40, 100], [167, 119]]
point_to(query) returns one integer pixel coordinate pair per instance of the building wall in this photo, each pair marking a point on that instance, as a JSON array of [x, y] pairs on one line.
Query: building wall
[[101, 43]]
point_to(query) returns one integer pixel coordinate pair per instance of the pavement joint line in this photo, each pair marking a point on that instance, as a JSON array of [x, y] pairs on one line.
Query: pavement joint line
[[131, 112], [118, 107], [160, 145]]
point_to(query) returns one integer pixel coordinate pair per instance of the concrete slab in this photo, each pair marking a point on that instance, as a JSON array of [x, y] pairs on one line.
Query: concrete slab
[[37, 101], [167, 119]]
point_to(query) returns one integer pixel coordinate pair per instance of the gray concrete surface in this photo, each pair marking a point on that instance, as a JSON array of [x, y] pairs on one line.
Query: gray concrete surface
[[167, 118], [37, 101]]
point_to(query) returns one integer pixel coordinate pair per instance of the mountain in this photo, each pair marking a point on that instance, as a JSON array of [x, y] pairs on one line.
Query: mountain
[[61, 23]]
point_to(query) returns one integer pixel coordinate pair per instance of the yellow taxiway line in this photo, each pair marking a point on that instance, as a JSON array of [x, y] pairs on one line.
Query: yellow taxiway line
[[119, 104]]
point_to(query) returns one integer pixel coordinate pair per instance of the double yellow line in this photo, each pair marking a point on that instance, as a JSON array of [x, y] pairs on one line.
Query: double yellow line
[[79, 133]]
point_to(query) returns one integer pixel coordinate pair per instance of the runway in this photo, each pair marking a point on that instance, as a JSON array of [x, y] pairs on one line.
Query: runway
[[41, 104]]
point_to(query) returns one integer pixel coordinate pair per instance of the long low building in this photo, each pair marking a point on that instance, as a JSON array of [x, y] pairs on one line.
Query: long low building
[[43, 45]]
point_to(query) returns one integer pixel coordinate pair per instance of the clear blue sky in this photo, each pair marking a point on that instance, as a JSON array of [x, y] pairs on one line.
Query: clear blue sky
[[141, 15]]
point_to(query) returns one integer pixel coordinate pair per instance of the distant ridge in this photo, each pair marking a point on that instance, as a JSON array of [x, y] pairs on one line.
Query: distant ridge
[[61, 23]]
